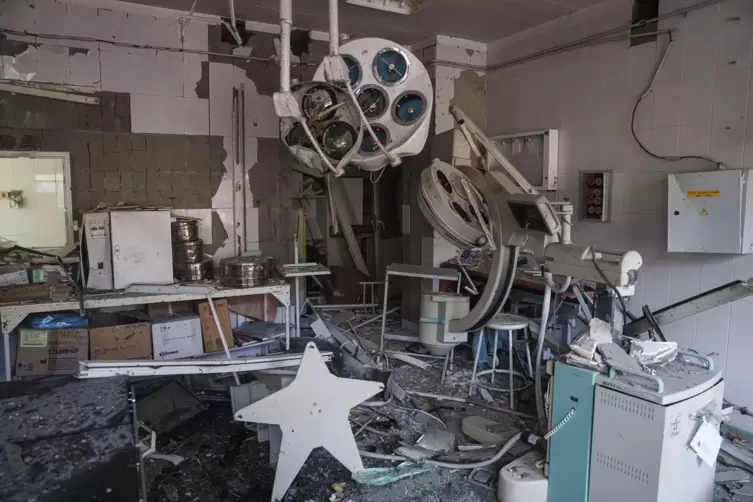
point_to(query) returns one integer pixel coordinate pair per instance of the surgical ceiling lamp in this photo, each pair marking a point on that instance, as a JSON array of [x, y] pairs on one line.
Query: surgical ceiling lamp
[[394, 94], [368, 107]]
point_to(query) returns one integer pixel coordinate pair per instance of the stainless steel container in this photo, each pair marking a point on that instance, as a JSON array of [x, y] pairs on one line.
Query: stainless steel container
[[184, 230], [188, 251], [191, 272], [245, 271]]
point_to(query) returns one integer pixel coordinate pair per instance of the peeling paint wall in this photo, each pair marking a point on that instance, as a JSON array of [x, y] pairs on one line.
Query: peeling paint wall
[[163, 133]]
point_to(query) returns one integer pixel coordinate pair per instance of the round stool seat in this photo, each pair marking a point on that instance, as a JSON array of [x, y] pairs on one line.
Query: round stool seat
[[507, 322]]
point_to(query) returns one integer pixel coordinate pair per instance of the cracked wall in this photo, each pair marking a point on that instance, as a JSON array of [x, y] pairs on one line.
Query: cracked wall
[[163, 133]]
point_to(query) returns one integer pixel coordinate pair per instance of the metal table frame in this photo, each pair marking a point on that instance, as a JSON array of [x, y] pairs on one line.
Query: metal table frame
[[13, 314], [418, 271]]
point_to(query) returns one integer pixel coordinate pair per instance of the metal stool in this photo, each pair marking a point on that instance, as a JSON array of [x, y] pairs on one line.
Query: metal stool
[[510, 323]]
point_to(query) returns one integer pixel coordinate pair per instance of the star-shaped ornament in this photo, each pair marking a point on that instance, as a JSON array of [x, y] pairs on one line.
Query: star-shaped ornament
[[312, 411]]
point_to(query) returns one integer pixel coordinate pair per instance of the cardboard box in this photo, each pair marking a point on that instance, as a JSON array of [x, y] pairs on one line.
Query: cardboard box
[[10, 294], [51, 352], [120, 340], [13, 274], [175, 337], [168, 309], [209, 331]]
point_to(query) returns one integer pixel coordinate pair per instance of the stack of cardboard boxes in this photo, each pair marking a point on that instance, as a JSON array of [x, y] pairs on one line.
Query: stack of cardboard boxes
[[165, 331]]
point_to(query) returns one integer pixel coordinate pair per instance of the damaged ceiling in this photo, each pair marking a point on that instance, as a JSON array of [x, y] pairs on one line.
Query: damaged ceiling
[[481, 20]]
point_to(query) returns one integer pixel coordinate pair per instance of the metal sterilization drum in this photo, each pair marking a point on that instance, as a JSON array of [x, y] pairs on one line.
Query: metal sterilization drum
[[245, 271]]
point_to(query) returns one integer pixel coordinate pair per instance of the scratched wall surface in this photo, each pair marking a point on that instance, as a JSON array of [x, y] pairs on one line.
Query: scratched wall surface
[[163, 132]]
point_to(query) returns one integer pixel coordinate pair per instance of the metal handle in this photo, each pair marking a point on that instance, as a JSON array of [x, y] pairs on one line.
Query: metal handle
[[658, 381], [708, 362]]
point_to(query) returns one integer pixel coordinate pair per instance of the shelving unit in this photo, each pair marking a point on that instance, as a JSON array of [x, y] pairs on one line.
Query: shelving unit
[[12, 315]]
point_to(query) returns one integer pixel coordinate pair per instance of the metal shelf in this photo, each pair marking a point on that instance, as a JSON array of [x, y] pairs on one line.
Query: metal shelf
[[11, 316]]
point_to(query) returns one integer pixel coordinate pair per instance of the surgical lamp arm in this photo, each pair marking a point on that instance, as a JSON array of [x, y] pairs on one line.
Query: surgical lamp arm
[[514, 182]]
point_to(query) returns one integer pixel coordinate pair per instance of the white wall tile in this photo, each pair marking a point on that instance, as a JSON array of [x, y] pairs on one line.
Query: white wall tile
[[697, 100], [192, 73], [18, 15], [695, 140], [667, 104], [49, 16], [646, 194], [699, 42], [196, 116], [220, 99], [683, 332], [735, 44], [172, 119], [729, 114], [169, 74], [261, 119], [145, 114], [84, 69]]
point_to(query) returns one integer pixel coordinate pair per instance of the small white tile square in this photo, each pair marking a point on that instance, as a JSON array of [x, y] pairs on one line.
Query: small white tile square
[[169, 75], [667, 104], [196, 116], [172, 118], [697, 100], [695, 140], [85, 69], [145, 114], [261, 119]]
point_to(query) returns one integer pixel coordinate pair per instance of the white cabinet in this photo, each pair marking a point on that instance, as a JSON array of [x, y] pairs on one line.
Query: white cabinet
[[121, 248]]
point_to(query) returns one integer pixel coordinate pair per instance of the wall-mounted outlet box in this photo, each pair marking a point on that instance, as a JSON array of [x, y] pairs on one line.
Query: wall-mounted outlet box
[[595, 194]]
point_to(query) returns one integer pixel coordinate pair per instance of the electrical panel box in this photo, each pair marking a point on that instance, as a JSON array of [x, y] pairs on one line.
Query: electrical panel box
[[710, 212], [595, 195]]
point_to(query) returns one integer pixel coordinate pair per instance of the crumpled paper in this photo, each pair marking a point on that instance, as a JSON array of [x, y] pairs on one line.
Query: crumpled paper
[[648, 352]]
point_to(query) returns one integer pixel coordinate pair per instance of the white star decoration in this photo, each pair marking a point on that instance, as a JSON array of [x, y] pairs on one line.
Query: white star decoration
[[312, 411]]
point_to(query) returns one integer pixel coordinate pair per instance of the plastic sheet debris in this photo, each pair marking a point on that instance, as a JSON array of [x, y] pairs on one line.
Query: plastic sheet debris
[[585, 344], [648, 352], [61, 320], [383, 476]]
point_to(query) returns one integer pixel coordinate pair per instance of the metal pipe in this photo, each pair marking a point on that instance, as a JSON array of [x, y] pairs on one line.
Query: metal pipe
[[581, 42], [233, 28], [145, 46], [334, 28], [286, 23], [384, 313], [369, 321], [345, 306], [539, 352], [567, 223], [628, 27]]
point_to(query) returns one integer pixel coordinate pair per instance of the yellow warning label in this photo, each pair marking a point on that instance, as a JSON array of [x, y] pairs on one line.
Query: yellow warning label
[[696, 194], [704, 212]]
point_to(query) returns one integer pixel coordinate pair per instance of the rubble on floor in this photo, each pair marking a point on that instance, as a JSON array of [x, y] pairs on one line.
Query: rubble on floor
[[224, 460]]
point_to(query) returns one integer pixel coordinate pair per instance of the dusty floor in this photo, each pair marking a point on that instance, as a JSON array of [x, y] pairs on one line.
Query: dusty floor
[[225, 461]]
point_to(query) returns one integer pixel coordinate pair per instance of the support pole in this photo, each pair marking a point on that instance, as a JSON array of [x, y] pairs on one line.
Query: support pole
[[286, 23], [334, 28]]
